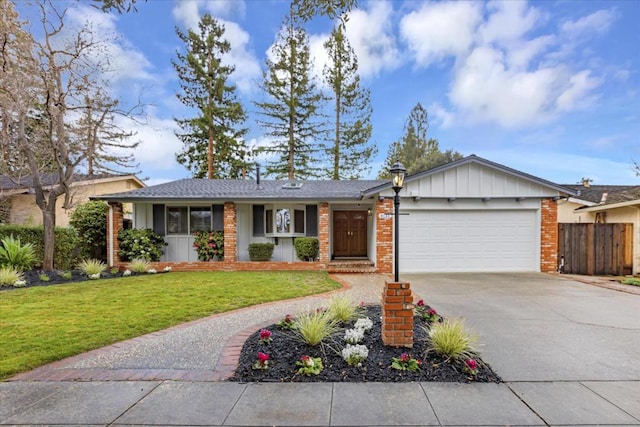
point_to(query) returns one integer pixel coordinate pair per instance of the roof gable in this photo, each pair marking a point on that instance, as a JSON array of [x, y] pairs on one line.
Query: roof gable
[[474, 176]]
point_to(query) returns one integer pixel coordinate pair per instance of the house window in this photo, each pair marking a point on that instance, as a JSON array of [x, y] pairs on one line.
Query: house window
[[283, 220], [190, 219]]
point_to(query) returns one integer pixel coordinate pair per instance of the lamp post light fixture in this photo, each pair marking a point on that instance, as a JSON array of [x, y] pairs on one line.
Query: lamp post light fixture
[[397, 172]]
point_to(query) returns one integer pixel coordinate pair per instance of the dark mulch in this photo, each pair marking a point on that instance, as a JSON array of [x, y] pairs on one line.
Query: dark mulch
[[284, 351], [33, 278]]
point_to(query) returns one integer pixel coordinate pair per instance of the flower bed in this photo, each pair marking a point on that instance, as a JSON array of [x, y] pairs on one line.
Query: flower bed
[[286, 355]]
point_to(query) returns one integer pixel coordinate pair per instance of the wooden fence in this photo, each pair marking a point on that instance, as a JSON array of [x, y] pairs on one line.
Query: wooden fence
[[595, 249]]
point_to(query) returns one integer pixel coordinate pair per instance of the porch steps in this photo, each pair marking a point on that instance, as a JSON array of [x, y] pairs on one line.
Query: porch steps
[[351, 266]]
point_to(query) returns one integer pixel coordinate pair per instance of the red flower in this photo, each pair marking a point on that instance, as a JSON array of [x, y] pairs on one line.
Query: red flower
[[471, 364], [265, 334], [262, 357], [404, 357], [432, 312], [420, 303]]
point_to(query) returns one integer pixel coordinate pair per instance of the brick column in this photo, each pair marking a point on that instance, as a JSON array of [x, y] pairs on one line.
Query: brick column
[[230, 232], [548, 236], [384, 236], [397, 314], [115, 215], [323, 233]]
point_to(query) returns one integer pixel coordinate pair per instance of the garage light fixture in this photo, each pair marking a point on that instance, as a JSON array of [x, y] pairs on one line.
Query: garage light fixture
[[397, 172]]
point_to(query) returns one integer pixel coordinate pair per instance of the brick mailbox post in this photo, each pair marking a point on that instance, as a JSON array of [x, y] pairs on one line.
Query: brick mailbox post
[[397, 314]]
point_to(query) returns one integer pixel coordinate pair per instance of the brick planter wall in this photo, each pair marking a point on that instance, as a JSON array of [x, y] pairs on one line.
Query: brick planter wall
[[549, 236], [397, 314], [384, 236]]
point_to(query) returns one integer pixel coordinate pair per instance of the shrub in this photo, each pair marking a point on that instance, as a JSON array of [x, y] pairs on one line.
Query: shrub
[[451, 339], [67, 275], [209, 244], [138, 265], [15, 254], [260, 251], [10, 275], [92, 267], [141, 244], [90, 222], [66, 243], [314, 328], [343, 309], [44, 277], [307, 248]]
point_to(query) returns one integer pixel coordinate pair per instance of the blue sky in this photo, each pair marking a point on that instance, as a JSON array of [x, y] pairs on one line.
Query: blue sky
[[551, 88]]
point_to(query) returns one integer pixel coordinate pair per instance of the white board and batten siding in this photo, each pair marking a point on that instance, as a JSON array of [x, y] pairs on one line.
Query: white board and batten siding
[[472, 218]]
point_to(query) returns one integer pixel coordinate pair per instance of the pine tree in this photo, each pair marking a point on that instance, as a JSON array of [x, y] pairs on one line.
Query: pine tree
[[414, 150], [349, 153], [292, 109], [213, 140]]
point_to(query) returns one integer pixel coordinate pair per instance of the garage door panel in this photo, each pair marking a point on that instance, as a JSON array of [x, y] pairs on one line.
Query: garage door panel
[[473, 240]]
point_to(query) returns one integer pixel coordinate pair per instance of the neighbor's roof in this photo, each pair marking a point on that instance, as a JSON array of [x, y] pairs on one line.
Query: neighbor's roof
[[231, 189], [614, 193], [477, 160], [51, 178]]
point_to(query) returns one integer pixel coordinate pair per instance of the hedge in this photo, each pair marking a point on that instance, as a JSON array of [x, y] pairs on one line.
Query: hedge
[[66, 241]]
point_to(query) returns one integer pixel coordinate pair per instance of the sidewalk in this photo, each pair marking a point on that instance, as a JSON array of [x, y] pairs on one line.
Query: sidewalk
[[166, 378], [171, 403]]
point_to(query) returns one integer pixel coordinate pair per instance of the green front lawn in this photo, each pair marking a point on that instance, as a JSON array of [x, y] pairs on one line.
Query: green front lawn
[[43, 324]]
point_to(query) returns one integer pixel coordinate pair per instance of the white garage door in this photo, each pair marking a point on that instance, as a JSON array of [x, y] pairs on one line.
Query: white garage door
[[469, 240]]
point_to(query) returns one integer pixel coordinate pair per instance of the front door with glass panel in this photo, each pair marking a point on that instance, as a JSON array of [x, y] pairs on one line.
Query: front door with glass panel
[[349, 234]]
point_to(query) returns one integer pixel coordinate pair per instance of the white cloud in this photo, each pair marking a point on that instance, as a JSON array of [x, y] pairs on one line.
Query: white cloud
[[440, 115], [187, 13], [318, 54], [440, 30], [597, 22], [226, 8], [371, 36], [577, 91], [508, 21]]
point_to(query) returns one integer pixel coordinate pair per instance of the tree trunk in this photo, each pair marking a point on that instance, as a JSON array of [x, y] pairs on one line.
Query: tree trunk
[[210, 155], [49, 223]]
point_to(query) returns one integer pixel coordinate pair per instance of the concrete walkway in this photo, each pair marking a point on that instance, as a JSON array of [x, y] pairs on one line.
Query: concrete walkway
[[604, 397]]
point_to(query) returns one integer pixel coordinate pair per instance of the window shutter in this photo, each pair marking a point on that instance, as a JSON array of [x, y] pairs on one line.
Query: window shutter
[[258, 220], [312, 220], [218, 217], [158, 219]]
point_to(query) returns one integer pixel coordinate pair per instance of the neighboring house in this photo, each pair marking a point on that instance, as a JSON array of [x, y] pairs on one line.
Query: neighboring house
[[468, 215], [19, 202], [602, 204]]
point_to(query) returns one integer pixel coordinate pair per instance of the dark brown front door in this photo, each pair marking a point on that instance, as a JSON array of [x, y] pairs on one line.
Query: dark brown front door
[[349, 233]]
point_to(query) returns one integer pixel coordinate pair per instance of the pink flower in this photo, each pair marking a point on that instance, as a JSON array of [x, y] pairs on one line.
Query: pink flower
[[432, 312], [420, 303], [211, 245], [307, 360], [265, 334], [471, 364], [404, 357], [262, 357]]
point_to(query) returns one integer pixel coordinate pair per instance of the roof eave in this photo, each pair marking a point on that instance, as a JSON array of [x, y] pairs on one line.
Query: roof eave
[[631, 203]]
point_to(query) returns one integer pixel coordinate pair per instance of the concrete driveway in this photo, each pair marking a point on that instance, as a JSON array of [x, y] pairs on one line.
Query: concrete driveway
[[540, 327]]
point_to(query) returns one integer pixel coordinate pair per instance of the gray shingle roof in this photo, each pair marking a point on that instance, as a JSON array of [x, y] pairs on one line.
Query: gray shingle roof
[[229, 190], [615, 193]]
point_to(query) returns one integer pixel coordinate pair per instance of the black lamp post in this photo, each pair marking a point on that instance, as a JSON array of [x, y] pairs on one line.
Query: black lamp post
[[397, 180]]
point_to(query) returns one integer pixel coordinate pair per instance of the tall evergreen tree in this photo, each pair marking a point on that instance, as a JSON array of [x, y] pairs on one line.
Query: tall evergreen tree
[[414, 150], [291, 110], [214, 139], [349, 152]]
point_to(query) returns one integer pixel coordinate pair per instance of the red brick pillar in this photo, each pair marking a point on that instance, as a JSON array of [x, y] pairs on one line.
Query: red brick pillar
[[384, 236], [230, 232], [323, 233], [549, 236], [397, 314], [115, 215]]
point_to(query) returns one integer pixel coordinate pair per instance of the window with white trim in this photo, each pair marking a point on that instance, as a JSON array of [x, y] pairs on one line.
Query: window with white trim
[[284, 220]]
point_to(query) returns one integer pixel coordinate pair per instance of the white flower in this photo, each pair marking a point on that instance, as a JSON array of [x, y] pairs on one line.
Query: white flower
[[94, 276], [126, 273], [355, 354], [364, 324], [167, 269], [353, 336], [19, 283], [152, 271]]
